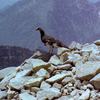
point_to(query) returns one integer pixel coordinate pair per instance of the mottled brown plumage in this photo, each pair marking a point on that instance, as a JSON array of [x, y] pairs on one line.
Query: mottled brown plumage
[[50, 41]]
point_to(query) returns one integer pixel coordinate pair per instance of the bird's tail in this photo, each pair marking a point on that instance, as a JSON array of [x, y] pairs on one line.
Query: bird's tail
[[66, 46]]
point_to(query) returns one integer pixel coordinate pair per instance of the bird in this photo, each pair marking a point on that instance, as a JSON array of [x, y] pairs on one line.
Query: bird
[[50, 41]]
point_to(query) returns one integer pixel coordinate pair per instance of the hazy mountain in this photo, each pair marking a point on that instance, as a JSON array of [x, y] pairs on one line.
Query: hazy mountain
[[68, 20], [13, 56]]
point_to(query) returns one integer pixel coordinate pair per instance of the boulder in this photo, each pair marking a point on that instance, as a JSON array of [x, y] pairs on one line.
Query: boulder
[[54, 60], [26, 96], [64, 67], [64, 57], [18, 82], [87, 70], [56, 78], [34, 89], [3, 95], [67, 80], [42, 73], [57, 85], [96, 81], [33, 82], [62, 50], [44, 85], [85, 95], [37, 64], [7, 78], [49, 93], [4, 72], [90, 48]]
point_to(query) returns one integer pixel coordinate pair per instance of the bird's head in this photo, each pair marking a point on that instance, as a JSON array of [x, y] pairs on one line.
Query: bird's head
[[39, 29]]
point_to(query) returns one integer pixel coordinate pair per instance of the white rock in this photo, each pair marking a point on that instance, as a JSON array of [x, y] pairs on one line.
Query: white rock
[[74, 92], [38, 64], [64, 67], [26, 96], [85, 95], [56, 78], [44, 85], [7, 78], [4, 72], [33, 82], [54, 60], [10, 94], [96, 81], [74, 58], [62, 50], [64, 57], [73, 45], [87, 70], [67, 80], [42, 73], [56, 85], [3, 95], [34, 89], [49, 93], [91, 48], [18, 82], [63, 98]]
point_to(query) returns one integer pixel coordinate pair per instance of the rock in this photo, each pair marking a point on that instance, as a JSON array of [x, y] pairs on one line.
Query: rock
[[62, 50], [67, 80], [33, 82], [38, 64], [56, 78], [10, 94], [96, 81], [63, 98], [97, 42], [26, 96], [94, 56], [74, 92], [4, 72], [56, 85], [85, 95], [34, 89], [87, 70], [42, 73], [64, 57], [54, 60], [73, 45], [90, 48], [74, 58], [18, 82], [49, 93], [64, 67], [7, 78], [44, 85], [23, 73], [78, 84], [3, 95]]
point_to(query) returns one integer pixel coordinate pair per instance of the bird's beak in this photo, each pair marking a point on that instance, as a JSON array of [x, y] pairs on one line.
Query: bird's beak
[[37, 29]]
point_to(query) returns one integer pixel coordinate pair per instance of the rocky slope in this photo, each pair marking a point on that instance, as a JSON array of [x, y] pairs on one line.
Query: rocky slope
[[70, 75]]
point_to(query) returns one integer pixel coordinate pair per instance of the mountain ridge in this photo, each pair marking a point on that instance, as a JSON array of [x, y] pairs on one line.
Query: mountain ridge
[[67, 21]]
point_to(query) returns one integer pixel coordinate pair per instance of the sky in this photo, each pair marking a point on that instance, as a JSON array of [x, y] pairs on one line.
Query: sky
[[4, 3]]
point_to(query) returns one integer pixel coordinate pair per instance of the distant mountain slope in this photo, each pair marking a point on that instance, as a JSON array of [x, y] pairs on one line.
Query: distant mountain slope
[[13, 56], [68, 20]]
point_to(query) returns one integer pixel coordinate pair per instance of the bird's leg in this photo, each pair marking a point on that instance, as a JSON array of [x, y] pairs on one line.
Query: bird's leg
[[52, 50], [49, 51]]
